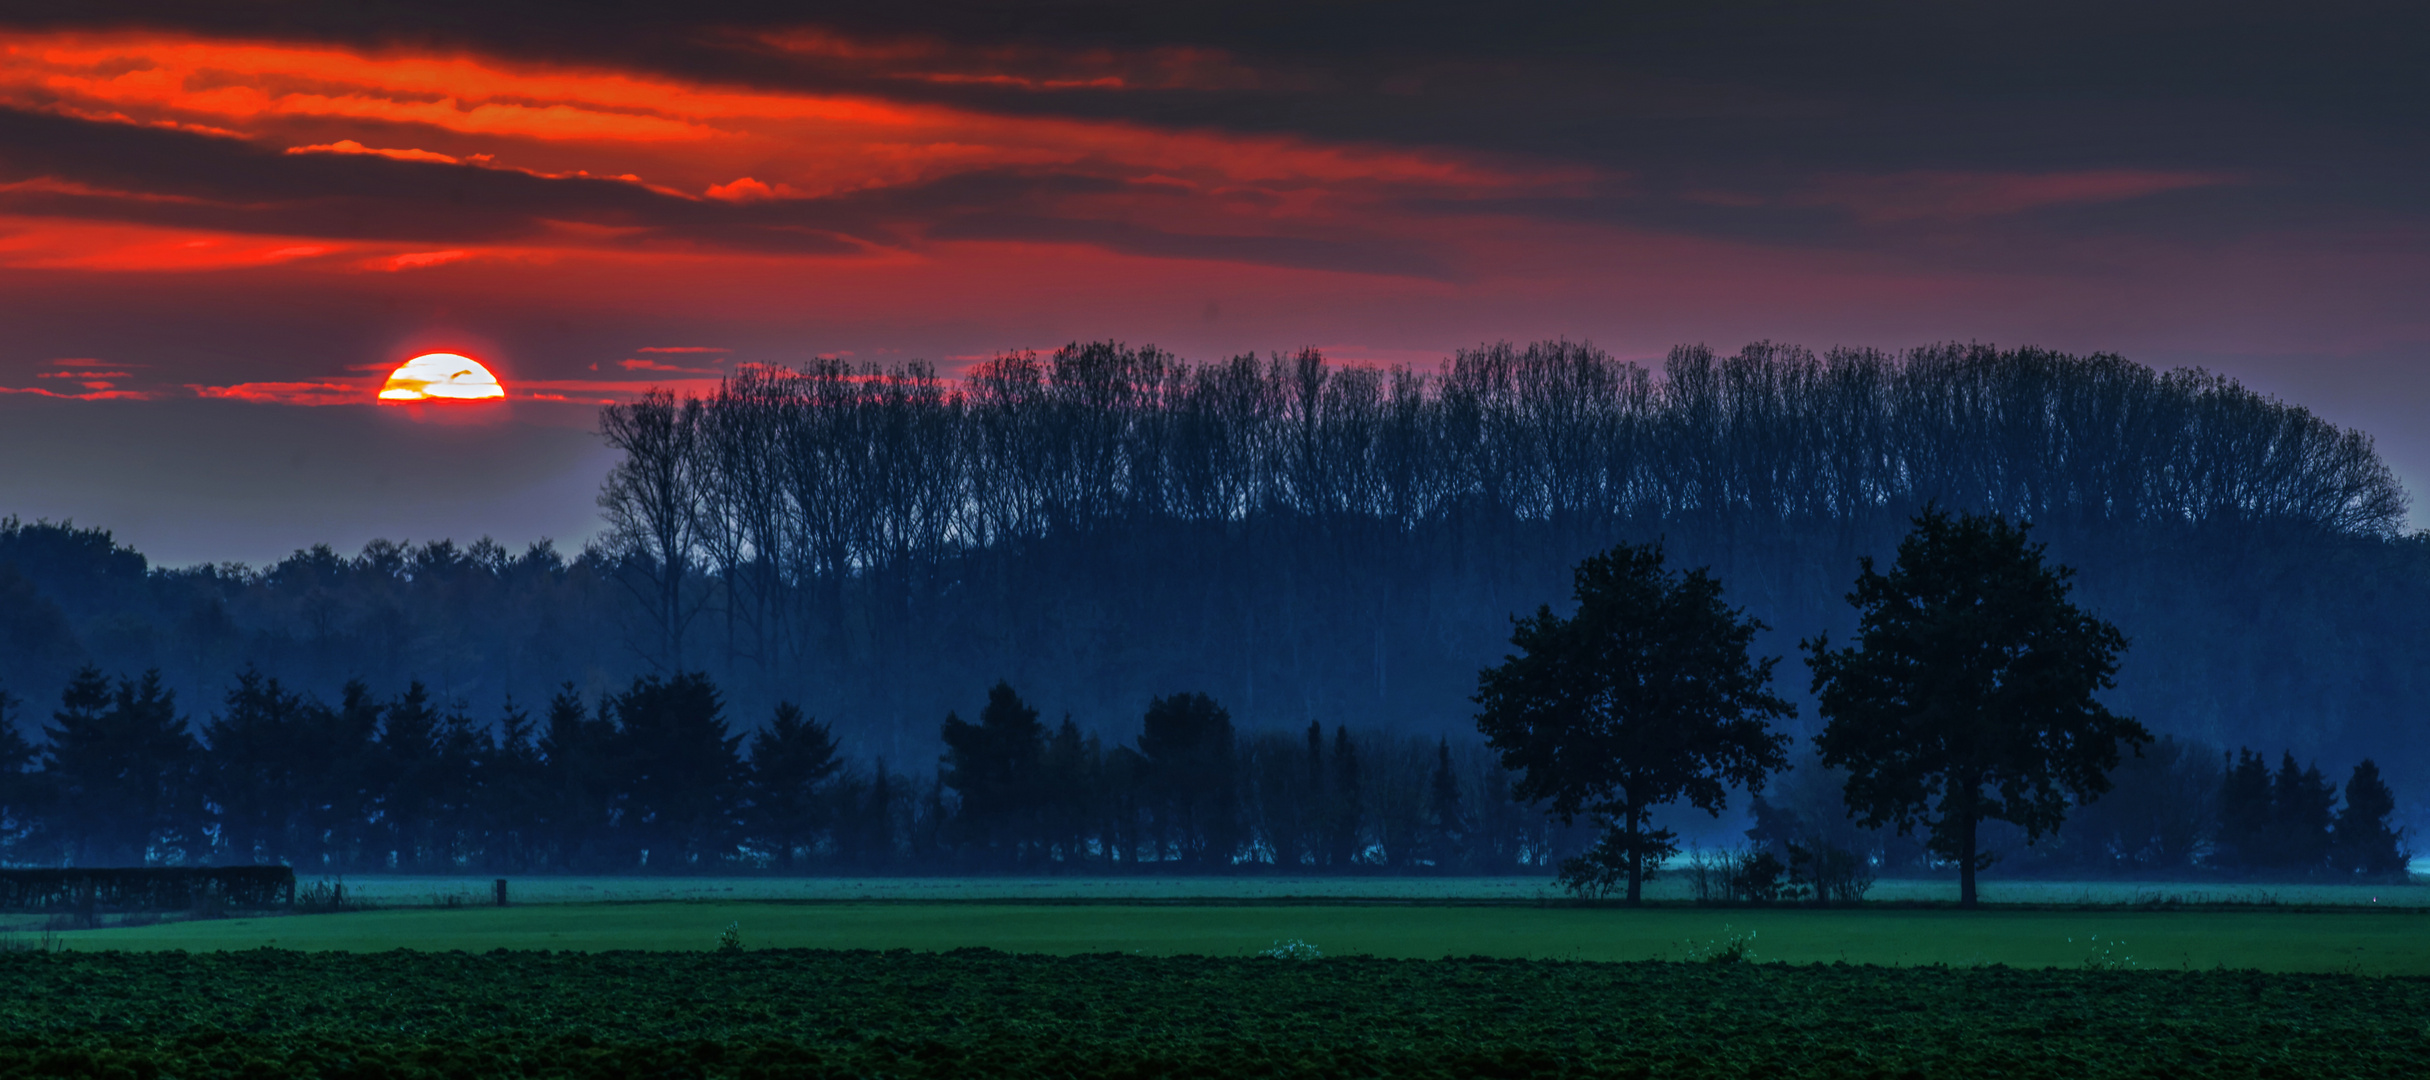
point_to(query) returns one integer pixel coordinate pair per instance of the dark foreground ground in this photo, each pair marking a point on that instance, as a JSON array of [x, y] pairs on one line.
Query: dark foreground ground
[[784, 1013]]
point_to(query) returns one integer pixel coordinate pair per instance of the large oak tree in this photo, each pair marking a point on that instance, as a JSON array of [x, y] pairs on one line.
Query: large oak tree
[[1643, 697], [1969, 694]]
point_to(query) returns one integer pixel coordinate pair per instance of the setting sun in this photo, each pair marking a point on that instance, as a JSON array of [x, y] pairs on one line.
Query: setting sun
[[441, 376]]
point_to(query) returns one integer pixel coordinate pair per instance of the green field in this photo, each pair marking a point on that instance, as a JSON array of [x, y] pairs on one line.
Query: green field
[[2330, 941], [911, 1015], [408, 891]]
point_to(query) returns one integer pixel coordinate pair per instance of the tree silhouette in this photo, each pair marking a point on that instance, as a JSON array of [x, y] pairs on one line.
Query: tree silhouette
[[1192, 776], [578, 778], [682, 778], [791, 761], [1646, 695], [2303, 803], [1969, 693], [20, 791], [995, 766], [1345, 805], [1446, 822], [120, 766], [2365, 842], [2244, 811]]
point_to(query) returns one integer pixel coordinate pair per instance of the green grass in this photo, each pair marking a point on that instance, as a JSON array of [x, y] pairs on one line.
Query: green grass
[[2363, 942], [412, 891], [801, 1013]]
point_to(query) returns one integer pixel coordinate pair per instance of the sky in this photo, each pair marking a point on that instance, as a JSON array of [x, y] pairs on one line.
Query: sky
[[221, 225]]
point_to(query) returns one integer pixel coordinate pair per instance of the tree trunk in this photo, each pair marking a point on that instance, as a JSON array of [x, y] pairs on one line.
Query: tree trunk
[[1966, 860], [1636, 857]]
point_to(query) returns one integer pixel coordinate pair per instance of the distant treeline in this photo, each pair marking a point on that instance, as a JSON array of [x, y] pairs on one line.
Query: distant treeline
[[1313, 543], [654, 779], [2177, 809]]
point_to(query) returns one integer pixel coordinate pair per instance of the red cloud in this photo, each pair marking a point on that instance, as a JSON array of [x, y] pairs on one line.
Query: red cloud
[[416, 260], [104, 393], [290, 393], [349, 146], [1911, 196]]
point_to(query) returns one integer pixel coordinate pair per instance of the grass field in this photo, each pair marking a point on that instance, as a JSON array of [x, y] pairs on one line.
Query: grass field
[[402, 891], [2355, 942]]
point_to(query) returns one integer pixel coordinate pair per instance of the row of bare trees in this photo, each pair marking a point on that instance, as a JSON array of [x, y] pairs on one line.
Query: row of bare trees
[[835, 513], [1307, 542]]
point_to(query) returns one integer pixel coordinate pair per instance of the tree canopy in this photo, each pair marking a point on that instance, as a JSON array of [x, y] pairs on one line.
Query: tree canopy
[[1644, 696], [1969, 694]]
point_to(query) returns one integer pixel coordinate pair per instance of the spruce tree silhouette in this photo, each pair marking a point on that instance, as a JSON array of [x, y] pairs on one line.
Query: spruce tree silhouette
[[120, 766], [995, 766], [792, 759], [2365, 843]]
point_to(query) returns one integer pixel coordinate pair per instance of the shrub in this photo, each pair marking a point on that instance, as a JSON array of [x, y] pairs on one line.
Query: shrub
[[1729, 949]]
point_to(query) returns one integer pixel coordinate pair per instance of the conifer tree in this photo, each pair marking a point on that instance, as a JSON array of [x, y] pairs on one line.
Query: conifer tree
[[2364, 841], [19, 790], [1345, 812], [122, 769], [1187, 740], [682, 775], [1446, 821], [791, 761], [2302, 805], [578, 767], [994, 766], [2244, 811]]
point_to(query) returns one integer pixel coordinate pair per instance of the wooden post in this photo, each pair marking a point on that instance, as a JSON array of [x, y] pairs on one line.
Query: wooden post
[[501, 892]]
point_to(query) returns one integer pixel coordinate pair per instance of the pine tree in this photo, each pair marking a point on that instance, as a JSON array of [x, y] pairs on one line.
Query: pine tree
[[513, 796], [994, 765], [1446, 822], [877, 819], [2364, 841], [1316, 759], [256, 774], [1188, 743], [2302, 805], [577, 774], [1345, 816], [2244, 812], [121, 766], [791, 761], [411, 778], [20, 793], [1072, 767], [681, 773]]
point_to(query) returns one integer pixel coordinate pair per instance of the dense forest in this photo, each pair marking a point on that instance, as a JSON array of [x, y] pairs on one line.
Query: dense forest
[[1314, 543]]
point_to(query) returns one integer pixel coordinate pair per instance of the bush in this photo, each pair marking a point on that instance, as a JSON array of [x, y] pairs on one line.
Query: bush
[[1747, 876], [1835, 875], [177, 888]]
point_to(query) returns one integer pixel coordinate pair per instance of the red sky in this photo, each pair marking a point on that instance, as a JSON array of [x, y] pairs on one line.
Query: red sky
[[199, 210]]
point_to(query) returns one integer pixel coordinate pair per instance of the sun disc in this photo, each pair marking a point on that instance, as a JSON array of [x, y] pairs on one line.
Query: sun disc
[[441, 377]]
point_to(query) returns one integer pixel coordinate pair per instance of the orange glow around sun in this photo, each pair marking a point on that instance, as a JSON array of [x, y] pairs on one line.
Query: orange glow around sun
[[441, 377]]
